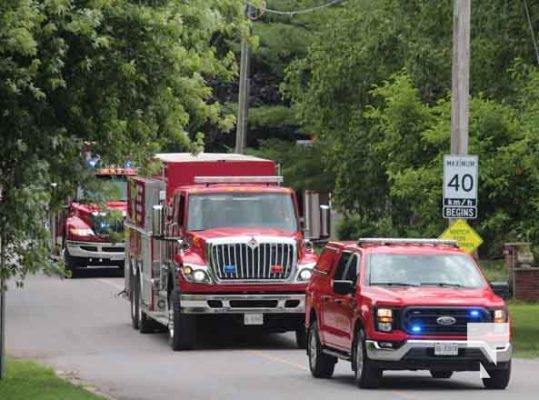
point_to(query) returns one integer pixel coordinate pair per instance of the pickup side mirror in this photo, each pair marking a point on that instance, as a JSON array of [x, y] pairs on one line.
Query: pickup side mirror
[[343, 287], [501, 289]]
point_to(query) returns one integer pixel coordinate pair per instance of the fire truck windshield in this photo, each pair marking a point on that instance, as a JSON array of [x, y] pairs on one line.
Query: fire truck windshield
[[261, 210], [106, 188]]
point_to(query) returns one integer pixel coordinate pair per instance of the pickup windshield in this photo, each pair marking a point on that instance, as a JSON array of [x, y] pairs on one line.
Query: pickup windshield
[[440, 270], [104, 188], [263, 210]]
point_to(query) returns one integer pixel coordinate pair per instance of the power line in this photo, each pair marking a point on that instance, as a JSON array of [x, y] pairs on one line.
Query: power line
[[263, 9], [534, 40]]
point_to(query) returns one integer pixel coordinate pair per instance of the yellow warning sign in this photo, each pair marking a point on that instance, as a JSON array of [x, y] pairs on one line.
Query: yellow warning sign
[[467, 239]]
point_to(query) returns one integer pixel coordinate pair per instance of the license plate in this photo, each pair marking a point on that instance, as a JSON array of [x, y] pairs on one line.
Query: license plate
[[253, 319], [446, 349]]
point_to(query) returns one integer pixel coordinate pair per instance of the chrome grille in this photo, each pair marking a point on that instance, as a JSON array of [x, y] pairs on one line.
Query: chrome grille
[[263, 261], [426, 318]]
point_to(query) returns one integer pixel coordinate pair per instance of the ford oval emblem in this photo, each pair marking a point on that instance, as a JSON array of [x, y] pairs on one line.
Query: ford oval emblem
[[446, 320]]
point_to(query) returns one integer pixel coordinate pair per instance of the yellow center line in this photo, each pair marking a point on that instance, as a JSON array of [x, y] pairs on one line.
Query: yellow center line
[[280, 360]]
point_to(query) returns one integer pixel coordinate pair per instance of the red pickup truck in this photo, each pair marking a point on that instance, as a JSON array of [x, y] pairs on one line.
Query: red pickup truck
[[403, 304]]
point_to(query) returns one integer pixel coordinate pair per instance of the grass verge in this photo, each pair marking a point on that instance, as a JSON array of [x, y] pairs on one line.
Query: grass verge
[[27, 380], [525, 319]]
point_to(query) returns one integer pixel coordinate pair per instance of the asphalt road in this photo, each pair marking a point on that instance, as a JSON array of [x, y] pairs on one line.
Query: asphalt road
[[81, 327]]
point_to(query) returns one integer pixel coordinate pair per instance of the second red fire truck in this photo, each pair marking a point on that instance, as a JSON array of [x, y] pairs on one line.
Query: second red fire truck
[[215, 236]]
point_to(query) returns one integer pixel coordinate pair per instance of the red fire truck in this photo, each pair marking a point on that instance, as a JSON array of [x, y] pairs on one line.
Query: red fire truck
[[84, 232], [215, 237]]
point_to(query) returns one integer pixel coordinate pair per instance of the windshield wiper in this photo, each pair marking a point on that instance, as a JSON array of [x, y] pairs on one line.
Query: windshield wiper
[[392, 284], [441, 284]]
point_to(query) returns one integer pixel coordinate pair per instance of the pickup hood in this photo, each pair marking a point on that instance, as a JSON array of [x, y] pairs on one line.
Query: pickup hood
[[219, 233], [432, 296]]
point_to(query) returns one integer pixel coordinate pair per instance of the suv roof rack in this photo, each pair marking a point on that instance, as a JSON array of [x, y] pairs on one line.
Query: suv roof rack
[[238, 179], [387, 241]]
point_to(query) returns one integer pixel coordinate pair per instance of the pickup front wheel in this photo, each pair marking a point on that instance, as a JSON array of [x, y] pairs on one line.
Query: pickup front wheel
[[499, 378], [366, 375], [321, 365]]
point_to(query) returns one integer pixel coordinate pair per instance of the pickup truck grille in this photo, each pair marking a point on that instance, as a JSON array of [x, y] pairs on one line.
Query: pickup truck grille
[[425, 319], [246, 261]]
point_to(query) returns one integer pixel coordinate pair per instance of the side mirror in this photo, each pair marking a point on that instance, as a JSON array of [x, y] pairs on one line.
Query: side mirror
[[157, 220], [501, 289], [343, 287], [324, 221]]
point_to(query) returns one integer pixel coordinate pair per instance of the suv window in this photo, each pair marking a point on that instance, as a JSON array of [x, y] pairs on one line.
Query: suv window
[[326, 260], [352, 270], [340, 272]]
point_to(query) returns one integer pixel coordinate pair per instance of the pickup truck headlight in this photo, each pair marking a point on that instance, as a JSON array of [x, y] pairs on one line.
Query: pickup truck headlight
[[500, 315], [384, 319], [195, 275]]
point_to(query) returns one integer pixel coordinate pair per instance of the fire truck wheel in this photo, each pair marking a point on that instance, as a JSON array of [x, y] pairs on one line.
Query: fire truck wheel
[[145, 323], [301, 337], [181, 327], [71, 263], [134, 302], [321, 365]]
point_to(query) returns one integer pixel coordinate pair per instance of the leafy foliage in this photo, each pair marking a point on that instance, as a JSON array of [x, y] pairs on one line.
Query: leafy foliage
[[131, 76], [376, 86]]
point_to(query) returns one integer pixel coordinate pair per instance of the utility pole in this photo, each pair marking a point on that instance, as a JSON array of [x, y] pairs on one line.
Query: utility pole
[[2, 314], [460, 77], [243, 94]]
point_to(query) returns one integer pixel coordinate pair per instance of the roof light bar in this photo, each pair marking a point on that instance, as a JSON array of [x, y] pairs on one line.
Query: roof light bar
[[238, 179], [384, 241]]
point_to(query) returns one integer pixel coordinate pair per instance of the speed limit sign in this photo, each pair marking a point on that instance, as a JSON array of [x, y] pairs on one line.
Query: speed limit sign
[[460, 186]]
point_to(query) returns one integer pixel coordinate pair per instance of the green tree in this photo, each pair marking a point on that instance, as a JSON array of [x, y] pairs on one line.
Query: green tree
[[382, 161], [131, 76]]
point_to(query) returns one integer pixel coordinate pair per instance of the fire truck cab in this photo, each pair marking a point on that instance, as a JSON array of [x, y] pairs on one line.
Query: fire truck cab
[[90, 231], [215, 237]]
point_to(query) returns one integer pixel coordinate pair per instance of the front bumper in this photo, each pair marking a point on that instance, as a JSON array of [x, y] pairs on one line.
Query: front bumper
[[96, 250], [419, 354], [293, 303]]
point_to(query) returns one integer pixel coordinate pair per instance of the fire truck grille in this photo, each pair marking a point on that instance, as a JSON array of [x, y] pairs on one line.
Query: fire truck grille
[[265, 261], [102, 226]]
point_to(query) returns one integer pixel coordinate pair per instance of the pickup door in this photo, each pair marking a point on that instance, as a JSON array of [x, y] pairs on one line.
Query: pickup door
[[340, 308]]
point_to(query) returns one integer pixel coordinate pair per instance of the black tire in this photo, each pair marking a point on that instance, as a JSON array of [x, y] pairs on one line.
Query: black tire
[[441, 374], [321, 365], [301, 337], [145, 323], [181, 327], [499, 378], [366, 375], [71, 263], [134, 300]]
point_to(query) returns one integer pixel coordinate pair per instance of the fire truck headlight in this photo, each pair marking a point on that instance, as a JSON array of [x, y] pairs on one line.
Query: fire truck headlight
[[83, 232], [200, 276], [305, 273], [195, 275]]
